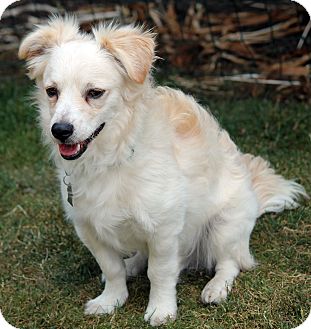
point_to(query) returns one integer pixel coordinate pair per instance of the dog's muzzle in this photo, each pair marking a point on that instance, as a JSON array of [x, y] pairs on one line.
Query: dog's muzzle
[[62, 131]]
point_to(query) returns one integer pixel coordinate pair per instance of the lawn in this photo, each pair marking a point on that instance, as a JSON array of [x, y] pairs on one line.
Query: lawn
[[47, 275]]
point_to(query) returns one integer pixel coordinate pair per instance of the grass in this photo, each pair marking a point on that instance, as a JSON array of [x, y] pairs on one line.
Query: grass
[[47, 275]]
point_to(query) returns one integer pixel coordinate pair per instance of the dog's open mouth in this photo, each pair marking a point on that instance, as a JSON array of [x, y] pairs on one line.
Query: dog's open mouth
[[74, 151]]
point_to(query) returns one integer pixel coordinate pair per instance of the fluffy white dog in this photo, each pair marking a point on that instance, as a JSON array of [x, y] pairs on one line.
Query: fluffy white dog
[[145, 171]]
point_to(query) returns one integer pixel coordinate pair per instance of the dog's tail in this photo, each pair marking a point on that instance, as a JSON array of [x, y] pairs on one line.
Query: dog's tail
[[274, 192]]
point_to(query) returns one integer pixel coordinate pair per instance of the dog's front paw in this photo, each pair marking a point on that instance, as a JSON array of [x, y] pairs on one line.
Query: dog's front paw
[[215, 291], [160, 314], [105, 303]]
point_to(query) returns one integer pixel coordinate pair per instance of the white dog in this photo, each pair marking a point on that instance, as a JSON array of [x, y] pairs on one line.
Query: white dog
[[145, 171]]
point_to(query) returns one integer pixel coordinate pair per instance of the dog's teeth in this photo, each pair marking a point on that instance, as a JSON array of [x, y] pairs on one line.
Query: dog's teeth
[[78, 147]]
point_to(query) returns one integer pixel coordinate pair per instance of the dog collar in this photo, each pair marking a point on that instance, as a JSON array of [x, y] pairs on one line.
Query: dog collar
[[69, 186]]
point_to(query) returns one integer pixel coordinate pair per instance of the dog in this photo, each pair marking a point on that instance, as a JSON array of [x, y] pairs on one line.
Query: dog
[[148, 177]]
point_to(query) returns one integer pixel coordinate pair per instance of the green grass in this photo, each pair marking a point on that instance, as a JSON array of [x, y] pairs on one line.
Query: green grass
[[47, 275]]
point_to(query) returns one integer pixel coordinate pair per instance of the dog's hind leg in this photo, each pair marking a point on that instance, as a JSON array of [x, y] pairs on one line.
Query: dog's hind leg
[[133, 265], [217, 289], [229, 245], [136, 264]]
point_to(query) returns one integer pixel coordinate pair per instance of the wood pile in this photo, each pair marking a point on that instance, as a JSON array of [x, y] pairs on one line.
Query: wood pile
[[266, 47], [257, 44]]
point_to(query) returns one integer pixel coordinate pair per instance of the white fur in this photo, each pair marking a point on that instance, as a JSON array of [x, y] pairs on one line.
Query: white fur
[[161, 180]]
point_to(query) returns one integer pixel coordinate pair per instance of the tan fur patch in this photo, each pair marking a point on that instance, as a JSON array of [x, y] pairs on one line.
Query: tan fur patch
[[132, 47], [57, 31], [182, 111]]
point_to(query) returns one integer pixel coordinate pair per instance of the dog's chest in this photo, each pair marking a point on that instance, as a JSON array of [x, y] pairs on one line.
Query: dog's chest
[[105, 202]]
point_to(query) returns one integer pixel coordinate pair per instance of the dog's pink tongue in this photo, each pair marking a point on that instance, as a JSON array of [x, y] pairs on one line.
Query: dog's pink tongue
[[68, 150]]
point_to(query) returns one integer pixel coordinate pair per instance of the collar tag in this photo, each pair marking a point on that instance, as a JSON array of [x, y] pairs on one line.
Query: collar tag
[[70, 194], [69, 190]]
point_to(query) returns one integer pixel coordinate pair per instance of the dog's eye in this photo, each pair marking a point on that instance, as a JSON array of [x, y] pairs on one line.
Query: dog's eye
[[95, 93], [52, 92]]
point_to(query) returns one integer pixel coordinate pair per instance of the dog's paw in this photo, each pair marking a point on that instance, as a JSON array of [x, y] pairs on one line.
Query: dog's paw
[[160, 314], [215, 291], [105, 303]]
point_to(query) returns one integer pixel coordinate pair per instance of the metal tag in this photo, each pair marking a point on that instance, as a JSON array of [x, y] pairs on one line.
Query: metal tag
[[69, 190], [70, 194]]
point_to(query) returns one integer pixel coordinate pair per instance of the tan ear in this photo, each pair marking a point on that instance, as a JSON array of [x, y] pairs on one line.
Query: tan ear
[[36, 45], [131, 46]]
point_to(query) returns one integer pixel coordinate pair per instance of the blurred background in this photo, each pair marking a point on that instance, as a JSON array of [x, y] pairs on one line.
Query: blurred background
[[249, 61], [260, 47]]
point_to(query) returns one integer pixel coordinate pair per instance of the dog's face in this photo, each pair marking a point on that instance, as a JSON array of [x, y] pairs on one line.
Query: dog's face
[[82, 79], [81, 85]]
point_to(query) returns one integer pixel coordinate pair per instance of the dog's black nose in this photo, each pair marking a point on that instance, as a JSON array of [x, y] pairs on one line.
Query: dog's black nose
[[62, 131]]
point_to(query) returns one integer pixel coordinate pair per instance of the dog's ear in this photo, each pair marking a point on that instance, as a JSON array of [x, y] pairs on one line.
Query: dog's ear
[[132, 47], [35, 47]]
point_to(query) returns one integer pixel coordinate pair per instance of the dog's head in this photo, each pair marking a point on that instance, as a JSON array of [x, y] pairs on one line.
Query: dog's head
[[84, 80]]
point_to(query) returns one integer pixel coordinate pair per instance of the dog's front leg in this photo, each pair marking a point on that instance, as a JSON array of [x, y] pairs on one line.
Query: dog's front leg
[[163, 270], [112, 265]]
